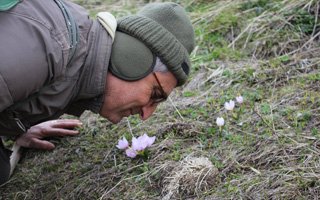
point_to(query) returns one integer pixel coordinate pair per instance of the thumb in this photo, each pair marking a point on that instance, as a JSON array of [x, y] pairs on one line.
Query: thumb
[[36, 144], [41, 144]]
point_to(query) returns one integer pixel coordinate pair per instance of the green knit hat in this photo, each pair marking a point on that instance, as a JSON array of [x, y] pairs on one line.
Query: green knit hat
[[159, 30]]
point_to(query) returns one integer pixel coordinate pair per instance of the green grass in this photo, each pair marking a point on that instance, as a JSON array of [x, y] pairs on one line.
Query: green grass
[[268, 148]]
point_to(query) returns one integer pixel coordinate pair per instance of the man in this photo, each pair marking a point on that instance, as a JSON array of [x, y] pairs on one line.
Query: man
[[56, 60]]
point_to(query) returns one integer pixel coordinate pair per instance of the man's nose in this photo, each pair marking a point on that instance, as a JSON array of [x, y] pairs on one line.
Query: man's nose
[[147, 110]]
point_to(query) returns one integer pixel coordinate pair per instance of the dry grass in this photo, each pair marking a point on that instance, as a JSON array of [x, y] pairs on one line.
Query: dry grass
[[269, 148], [192, 176]]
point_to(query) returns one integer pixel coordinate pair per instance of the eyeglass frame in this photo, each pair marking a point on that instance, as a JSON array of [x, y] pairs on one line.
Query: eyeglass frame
[[163, 94]]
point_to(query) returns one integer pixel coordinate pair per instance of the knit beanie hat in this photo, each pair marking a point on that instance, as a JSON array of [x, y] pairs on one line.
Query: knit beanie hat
[[160, 30]]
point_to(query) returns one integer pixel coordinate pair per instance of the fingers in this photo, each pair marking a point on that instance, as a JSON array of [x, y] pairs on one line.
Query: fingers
[[41, 144], [34, 137], [61, 127], [60, 132], [65, 123], [30, 142]]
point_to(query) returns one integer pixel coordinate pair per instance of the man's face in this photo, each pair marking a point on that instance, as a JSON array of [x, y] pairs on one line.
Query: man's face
[[124, 98]]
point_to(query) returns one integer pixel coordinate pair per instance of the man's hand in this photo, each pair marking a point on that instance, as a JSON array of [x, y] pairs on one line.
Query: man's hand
[[33, 138]]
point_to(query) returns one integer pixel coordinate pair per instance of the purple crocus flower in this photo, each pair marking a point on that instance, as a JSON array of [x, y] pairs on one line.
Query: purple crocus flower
[[239, 99], [146, 140], [123, 144], [229, 105], [131, 153], [137, 145], [142, 142], [220, 121]]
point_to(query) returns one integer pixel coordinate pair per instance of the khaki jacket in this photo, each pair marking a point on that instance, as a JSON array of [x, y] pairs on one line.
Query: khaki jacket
[[36, 81]]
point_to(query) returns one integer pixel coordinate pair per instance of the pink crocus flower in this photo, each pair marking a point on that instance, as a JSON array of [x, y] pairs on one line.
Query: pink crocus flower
[[137, 145], [239, 99], [131, 153], [229, 105], [148, 141], [220, 121], [142, 142], [123, 144]]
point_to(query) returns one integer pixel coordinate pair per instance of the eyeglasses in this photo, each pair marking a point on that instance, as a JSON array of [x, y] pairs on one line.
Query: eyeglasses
[[158, 95]]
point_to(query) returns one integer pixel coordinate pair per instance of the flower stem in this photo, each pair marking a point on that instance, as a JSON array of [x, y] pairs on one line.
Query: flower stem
[[130, 127]]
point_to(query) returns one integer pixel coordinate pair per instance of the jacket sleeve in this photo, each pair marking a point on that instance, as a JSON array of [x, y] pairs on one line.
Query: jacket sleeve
[[22, 72], [5, 96], [31, 55]]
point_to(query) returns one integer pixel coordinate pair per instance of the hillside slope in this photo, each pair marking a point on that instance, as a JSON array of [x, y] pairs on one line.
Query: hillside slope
[[268, 52]]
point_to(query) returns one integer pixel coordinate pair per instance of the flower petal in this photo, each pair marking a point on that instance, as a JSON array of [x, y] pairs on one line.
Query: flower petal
[[229, 105], [220, 121], [131, 153], [151, 141], [123, 144], [137, 144], [239, 99]]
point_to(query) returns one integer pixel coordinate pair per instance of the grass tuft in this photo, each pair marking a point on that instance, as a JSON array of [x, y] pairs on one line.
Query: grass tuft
[[266, 51]]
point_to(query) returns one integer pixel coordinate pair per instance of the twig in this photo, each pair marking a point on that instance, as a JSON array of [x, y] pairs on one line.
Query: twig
[[107, 192], [246, 167], [232, 35], [175, 108], [316, 19], [264, 121], [240, 35], [248, 38], [130, 127], [305, 44]]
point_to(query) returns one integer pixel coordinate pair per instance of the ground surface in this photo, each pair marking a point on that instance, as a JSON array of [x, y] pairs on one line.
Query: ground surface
[[266, 51]]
